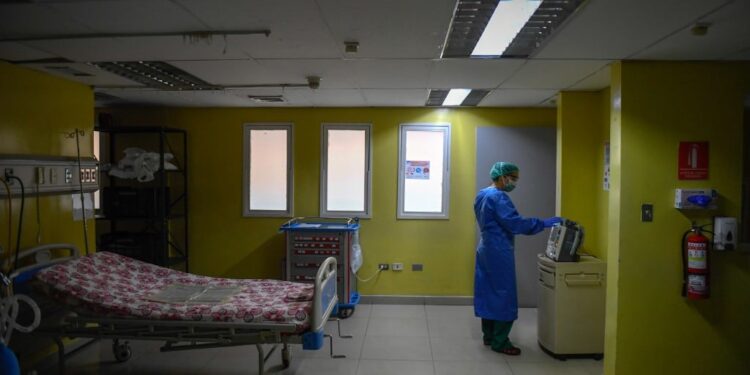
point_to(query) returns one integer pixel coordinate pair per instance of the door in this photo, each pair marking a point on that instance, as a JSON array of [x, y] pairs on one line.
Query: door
[[534, 150]]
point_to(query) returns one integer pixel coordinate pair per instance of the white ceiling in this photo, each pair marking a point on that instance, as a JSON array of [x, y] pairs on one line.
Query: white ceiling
[[399, 56]]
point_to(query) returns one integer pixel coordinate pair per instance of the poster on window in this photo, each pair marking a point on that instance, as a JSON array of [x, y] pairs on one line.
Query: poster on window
[[418, 169], [693, 161]]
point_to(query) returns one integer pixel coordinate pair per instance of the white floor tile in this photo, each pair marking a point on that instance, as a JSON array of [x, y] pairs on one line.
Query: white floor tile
[[442, 326], [319, 366], [532, 368], [398, 311], [471, 368], [380, 367], [453, 312], [463, 349], [414, 327], [397, 348], [362, 311]]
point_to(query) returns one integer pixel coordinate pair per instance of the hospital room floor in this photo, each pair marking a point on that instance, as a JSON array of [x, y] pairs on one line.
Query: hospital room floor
[[388, 339]]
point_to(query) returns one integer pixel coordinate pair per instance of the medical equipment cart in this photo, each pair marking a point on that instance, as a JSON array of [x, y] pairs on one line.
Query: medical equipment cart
[[309, 241]]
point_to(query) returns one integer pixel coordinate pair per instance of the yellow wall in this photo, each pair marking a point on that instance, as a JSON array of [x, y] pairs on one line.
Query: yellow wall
[[657, 330], [580, 156], [224, 243], [37, 113]]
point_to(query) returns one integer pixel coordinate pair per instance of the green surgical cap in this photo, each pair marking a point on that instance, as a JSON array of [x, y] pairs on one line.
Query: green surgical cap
[[502, 168]]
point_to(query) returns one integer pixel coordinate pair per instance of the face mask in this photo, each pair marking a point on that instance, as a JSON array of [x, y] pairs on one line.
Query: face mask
[[509, 186]]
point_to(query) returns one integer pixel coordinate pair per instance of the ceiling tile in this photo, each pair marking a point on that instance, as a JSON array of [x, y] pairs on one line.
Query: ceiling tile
[[726, 36], [35, 20], [552, 74], [390, 28], [326, 97], [144, 48], [99, 77], [132, 16], [19, 52], [232, 72], [517, 98], [396, 98], [334, 74], [178, 98], [596, 81], [618, 29], [392, 74], [297, 28], [472, 73]]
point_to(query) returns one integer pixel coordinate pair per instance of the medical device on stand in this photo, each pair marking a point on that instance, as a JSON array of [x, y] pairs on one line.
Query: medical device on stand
[[570, 308], [309, 241], [564, 241]]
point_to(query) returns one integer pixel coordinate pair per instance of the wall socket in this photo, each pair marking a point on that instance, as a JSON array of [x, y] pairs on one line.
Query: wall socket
[[383, 266], [397, 266]]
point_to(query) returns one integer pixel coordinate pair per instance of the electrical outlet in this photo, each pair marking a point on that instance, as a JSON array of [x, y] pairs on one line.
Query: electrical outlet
[[39, 175], [397, 266], [383, 266], [8, 173], [416, 267]]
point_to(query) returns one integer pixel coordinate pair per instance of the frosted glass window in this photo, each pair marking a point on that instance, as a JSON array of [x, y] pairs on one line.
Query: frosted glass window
[[268, 189], [424, 154], [345, 170]]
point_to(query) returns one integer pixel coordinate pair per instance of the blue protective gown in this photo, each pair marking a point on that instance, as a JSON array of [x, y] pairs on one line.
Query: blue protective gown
[[495, 275]]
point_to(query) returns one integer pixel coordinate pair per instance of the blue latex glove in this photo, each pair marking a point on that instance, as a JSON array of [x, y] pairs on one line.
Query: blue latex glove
[[552, 221]]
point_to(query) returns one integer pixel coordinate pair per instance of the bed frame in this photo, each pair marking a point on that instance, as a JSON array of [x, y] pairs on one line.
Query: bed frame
[[182, 335]]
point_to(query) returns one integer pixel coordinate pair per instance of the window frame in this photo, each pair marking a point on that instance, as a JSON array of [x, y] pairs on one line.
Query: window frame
[[367, 213], [247, 128], [444, 127]]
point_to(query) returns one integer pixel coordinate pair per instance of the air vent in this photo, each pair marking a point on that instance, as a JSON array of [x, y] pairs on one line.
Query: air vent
[[474, 97], [472, 16], [436, 98], [267, 98], [156, 74], [69, 71], [549, 15], [468, 23]]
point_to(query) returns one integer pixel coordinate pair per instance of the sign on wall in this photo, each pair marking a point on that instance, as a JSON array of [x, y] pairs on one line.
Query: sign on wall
[[418, 169], [693, 161]]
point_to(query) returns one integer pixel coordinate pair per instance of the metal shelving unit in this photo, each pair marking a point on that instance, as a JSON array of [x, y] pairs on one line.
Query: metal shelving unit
[[146, 221]]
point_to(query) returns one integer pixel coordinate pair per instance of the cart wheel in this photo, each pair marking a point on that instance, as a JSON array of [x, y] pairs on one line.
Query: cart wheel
[[286, 357], [345, 313], [121, 351]]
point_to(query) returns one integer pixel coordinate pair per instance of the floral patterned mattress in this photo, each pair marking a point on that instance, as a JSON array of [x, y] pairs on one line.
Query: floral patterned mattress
[[112, 285]]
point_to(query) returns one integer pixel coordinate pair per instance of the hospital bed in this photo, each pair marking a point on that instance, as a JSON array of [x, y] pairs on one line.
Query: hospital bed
[[108, 296]]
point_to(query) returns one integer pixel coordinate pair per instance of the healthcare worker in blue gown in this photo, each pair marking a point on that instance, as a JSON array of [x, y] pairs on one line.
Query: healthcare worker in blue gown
[[495, 299]]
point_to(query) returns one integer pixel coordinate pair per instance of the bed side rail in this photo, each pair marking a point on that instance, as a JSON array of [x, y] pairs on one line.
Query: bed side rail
[[25, 272], [325, 298]]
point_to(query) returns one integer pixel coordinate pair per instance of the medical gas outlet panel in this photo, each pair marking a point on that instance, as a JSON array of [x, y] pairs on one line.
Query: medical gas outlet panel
[[48, 174], [309, 244]]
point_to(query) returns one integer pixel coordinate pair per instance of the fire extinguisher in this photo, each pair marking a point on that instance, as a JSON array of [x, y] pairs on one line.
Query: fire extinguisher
[[695, 272]]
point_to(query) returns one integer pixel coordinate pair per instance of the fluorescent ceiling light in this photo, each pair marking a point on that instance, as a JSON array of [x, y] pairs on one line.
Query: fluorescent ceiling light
[[456, 96], [507, 20]]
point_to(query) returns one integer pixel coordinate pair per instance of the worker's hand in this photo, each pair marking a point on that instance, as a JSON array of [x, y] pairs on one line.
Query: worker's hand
[[552, 221]]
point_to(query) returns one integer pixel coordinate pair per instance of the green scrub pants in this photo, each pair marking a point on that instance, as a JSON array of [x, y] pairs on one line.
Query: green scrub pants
[[496, 334]]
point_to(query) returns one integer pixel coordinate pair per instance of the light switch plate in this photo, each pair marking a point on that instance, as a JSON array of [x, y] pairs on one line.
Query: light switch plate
[[647, 212]]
